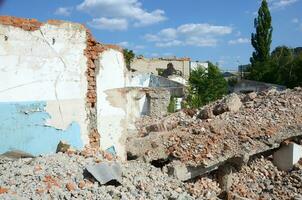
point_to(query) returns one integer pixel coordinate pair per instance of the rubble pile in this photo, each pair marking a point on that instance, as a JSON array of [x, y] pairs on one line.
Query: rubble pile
[[63, 176], [261, 123], [262, 180], [204, 188], [222, 150], [229, 132]]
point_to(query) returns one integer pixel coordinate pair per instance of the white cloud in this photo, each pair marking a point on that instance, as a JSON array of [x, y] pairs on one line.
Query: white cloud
[[189, 35], [239, 41], [169, 43], [203, 29], [128, 10], [65, 11], [275, 4], [109, 24]]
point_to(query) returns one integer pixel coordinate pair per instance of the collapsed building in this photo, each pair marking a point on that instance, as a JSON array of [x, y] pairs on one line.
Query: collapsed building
[[59, 83]]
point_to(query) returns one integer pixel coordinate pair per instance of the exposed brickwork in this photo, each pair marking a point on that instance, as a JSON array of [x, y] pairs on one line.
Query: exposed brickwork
[[92, 52], [26, 24]]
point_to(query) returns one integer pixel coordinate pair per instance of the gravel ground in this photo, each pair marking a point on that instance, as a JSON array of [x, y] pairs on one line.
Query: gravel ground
[[60, 176], [262, 180]]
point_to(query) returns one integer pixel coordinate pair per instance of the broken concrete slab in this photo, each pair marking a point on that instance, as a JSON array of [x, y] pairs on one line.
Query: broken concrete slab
[[105, 172], [148, 148], [287, 156], [231, 103], [183, 172]]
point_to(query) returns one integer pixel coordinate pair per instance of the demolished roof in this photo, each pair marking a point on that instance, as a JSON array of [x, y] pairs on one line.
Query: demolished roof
[[261, 124]]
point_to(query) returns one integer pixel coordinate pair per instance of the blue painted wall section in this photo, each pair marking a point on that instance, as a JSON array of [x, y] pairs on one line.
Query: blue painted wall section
[[22, 127]]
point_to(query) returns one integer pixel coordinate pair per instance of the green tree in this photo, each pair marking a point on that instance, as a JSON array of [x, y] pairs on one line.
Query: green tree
[[286, 67], [129, 56], [205, 85], [261, 41]]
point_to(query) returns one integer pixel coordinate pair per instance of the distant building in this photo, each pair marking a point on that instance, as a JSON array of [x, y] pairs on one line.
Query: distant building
[[158, 65]]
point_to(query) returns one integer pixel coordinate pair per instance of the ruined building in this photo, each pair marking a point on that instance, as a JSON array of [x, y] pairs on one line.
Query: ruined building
[[59, 83], [156, 65]]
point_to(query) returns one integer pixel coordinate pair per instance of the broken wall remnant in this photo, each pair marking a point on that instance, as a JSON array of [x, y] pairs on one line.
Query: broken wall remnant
[[111, 105], [152, 65], [50, 70], [159, 101], [43, 85], [62, 85]]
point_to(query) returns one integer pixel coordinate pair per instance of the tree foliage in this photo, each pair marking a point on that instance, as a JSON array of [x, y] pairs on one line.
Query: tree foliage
[[205, 85], [285, 67], [261, 41], [129, 56]]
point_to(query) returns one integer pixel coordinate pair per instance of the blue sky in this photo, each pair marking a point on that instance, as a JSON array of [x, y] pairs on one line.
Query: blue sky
[[213, 30]]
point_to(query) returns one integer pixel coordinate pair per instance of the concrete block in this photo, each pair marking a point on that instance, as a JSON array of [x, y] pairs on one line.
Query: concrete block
[[184, 173], [105, 172], [287, 156]]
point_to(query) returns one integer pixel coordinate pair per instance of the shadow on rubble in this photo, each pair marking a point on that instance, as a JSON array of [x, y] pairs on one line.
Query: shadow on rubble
[[90, 177]]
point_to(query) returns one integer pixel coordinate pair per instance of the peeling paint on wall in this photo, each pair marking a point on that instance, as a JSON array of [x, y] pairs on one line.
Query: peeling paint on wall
[[43, 63], [61, 84], [23, 127]]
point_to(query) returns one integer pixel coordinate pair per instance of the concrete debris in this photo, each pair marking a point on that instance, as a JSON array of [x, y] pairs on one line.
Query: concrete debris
[[250, 96], [206, 113], [262, 180], [237, 154], [234, 136], [60, 176], [231, 103], [105, 172], [287, 156]]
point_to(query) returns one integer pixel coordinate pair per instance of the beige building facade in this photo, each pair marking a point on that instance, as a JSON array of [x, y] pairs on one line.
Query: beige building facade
[[154, 65]]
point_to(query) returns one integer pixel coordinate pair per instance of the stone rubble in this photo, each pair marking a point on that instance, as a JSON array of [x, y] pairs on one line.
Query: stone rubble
[[234, 137], [233, 130], [259, 125], [63, 176], [262, 180]]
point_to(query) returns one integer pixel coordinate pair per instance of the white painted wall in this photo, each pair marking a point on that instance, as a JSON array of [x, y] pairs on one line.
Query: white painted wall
[[139, 80], [46, 65], [111, 104]]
